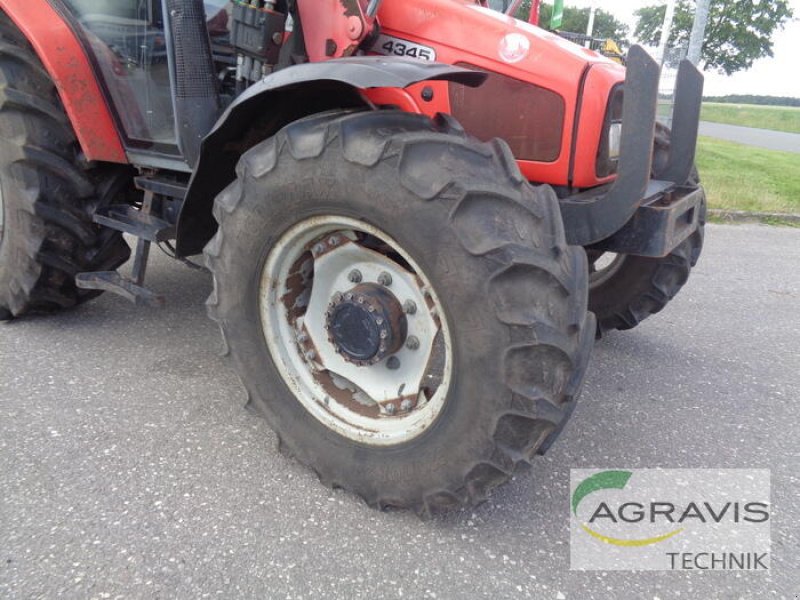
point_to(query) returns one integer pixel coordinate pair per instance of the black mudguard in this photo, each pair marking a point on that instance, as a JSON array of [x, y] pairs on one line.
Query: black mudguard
[[275, 101]]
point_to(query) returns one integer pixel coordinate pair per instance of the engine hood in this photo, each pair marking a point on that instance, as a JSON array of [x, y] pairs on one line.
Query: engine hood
[[545, 96], [461, 31]]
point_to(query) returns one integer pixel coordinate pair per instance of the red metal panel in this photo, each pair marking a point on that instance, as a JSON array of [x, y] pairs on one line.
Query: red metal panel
[[464, 32], [600, 80], [65, 59], [333, 28]]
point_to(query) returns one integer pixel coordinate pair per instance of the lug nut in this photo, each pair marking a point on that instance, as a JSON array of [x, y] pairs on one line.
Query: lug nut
[[390, 408], [412, 343], [333, 240], [318, 249], [385, 279], [409, 307], [393, 363], [405, 405], [310, 355], [355, 276], [302, 337]]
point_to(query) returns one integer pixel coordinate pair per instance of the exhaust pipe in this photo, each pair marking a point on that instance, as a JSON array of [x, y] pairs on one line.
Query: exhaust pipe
[[196, 99]]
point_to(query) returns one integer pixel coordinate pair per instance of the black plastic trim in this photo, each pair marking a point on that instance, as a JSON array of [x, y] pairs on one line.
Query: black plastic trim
[[596, 214]]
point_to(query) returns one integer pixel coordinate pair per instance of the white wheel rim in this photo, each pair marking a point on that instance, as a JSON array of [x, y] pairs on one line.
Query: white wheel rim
[[604, 268], [307, 269]]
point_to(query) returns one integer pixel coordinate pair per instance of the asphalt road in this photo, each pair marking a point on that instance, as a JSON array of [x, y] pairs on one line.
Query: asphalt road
[[128, 467], [750, 136]]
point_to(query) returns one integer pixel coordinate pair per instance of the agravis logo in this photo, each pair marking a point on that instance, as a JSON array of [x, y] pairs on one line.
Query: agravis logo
[[670, 519]]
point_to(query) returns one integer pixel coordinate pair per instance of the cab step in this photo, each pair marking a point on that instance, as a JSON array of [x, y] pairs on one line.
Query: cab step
[[148, 228], [114, 282], [128, 219]]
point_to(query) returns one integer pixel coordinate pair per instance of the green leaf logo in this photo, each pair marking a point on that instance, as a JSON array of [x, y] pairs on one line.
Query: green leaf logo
[[606, 480]]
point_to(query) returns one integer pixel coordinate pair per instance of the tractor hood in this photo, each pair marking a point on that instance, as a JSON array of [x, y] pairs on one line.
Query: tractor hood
[[537, 83]]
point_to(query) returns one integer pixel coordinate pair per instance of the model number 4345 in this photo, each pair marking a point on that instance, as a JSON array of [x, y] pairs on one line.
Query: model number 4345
[[398, 47]]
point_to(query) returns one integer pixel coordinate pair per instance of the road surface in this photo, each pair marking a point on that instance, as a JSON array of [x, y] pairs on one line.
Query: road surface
[[750, 136], [128, 467]]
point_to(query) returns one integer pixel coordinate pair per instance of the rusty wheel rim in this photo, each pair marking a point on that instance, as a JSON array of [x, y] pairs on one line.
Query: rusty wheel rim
[[383, 392]]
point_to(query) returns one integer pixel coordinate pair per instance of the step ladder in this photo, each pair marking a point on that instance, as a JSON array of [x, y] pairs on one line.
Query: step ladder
[[148, 225]]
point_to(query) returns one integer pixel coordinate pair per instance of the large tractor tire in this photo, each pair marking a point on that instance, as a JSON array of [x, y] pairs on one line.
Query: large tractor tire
[[624, 290], [401, 305], [47, 192]]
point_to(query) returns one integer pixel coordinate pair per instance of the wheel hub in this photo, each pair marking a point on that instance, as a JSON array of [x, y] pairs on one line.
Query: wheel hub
[[366, 324]]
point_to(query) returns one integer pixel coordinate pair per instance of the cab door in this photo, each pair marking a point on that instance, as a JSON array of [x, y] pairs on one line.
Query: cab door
[[128, 44]]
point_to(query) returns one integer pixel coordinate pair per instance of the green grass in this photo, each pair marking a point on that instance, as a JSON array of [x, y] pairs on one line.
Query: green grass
[[738, 177], [778, 118]]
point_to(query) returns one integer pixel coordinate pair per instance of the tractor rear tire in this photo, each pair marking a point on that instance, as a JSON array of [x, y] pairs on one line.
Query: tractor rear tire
[[631, 288], [47, 192], [513, 299]]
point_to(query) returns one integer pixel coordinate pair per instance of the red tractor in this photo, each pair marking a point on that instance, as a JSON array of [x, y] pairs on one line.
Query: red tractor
[[418, 214]]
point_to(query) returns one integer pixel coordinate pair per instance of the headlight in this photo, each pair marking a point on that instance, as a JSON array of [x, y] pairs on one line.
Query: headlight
[[614, 139], [608, 150]]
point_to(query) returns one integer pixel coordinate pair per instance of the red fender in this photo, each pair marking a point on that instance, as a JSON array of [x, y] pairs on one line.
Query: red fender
[[65, 59]]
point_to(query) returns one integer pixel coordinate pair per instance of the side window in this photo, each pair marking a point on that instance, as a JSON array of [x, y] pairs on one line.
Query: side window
[[129, 44], [500, 5]]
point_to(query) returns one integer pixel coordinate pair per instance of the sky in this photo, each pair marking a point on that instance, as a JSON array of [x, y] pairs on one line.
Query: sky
[[777, 76]]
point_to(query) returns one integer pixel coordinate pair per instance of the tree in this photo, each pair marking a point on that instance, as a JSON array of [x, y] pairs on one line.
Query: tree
[[738, 32], [577, 19]]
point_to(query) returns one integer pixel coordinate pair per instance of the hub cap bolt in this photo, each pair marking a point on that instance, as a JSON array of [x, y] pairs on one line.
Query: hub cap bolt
[[385, 279], [409, 307], [412, 343], [390, 409], [393, 363], [405, 405], [355, 276]]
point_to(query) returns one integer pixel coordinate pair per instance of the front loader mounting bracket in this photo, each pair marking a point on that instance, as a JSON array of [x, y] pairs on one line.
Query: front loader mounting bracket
[[634, 200]]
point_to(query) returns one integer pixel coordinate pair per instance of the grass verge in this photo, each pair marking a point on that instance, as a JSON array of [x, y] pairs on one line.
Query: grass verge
[[738, 177], [777, 118]]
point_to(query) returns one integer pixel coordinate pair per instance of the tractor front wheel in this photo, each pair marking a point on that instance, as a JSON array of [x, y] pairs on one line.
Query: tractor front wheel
[[400, 304]]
